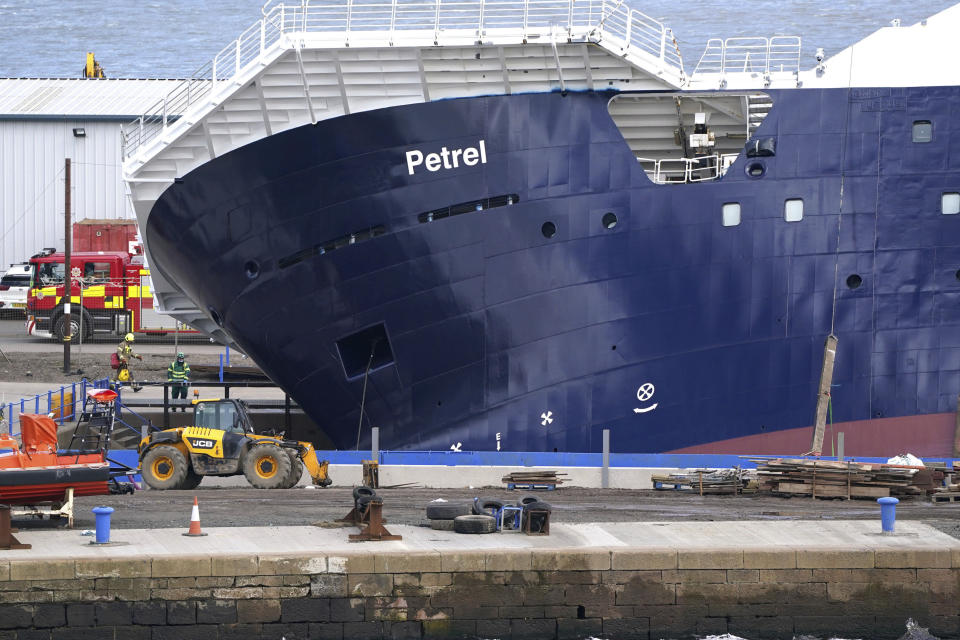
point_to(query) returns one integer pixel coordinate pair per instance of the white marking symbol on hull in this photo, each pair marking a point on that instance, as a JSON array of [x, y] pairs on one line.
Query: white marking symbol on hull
[[644, 393]]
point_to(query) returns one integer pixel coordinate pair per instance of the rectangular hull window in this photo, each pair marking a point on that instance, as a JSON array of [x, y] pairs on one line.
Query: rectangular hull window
[[731, 214], [950, 204], [368, 348], [793, 210]]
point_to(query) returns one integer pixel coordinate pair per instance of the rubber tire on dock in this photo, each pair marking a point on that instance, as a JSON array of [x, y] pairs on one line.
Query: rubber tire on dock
[[296, 470], [525, 500], [359, 492], [160, 456], [448, 510], [266, 466], [487, 506], [442, 525], [474, 524]]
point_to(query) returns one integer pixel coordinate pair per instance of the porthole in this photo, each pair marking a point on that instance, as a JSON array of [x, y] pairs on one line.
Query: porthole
[[755, 169], [252, 269], [957, 274], [548, 229], [854, 281], [922, 131], [609, 220]]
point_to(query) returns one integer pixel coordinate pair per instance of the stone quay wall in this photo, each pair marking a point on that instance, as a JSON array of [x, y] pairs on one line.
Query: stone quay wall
[[617, 593]]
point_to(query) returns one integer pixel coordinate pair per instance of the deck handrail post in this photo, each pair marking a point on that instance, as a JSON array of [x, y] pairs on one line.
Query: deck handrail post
[[628, 29]]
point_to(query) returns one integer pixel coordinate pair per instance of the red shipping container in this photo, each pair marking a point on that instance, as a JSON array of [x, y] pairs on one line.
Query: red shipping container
[[104, 235]]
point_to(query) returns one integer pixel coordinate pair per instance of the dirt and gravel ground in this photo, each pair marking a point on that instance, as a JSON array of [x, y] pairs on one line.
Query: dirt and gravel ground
[[48, 367], [226, 507]]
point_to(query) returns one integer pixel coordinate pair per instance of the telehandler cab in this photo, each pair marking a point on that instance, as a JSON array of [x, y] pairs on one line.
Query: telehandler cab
[[221, 442]]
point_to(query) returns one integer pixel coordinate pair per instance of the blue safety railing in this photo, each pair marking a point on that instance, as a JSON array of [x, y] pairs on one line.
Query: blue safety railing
[[62, 402], [122, 409]]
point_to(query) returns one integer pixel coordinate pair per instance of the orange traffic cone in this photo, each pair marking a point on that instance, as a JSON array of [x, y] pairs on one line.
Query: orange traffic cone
[[195, 521]]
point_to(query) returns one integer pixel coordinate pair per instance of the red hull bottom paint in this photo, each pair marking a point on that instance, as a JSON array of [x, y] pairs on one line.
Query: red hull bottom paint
[[929, 435], [40, 493]]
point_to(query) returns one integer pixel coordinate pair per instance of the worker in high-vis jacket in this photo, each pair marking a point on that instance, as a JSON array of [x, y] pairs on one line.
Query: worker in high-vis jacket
[[178, 373], [121, 362]]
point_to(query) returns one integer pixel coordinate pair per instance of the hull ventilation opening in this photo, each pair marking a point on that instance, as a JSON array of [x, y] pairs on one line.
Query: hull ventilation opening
[[367, 349]]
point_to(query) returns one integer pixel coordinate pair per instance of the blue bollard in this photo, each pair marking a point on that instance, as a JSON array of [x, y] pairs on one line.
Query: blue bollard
[[103, 524], [888, 513]]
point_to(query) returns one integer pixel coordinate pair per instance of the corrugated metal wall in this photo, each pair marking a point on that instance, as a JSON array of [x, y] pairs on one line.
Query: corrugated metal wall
[[32, 156]]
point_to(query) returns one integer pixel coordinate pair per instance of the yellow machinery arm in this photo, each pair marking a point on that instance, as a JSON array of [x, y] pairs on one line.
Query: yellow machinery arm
[[318, 470]]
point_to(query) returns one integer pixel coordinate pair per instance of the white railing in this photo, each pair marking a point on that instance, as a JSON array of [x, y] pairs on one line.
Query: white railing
[[684, 170], [752, 55], [632, 31]]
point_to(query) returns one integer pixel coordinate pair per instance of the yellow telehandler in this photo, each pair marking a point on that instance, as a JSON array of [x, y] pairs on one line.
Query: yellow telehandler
[[222, 442]]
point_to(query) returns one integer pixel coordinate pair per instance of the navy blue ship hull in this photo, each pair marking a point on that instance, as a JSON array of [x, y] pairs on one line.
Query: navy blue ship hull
[[317, 247]]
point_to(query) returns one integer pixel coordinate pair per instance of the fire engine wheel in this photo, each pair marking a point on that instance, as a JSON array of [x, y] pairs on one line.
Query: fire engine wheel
[[296, 470], [266, 466], [164, 467], [60, 327]]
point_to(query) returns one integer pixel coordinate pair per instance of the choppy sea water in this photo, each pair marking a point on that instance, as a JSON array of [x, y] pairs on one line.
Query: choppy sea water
[[49, 38]]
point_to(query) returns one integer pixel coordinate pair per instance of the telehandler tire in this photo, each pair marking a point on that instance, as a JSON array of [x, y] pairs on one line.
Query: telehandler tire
[[266, 466], [165, 467], [296, 470], [192, 481]]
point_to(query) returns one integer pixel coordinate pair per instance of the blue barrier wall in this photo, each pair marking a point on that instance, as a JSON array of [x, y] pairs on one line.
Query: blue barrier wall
[[533, 459]]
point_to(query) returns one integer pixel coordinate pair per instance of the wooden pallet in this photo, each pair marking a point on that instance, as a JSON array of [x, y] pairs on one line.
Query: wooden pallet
[[545, 486], [946, 496], [548, 480]]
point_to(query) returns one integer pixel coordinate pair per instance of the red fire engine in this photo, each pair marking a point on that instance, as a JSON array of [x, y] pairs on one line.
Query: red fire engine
[[111, 287]]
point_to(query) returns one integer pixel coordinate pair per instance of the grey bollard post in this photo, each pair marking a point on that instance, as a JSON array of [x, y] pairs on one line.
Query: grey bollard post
[[840, 445], [375, 444], [605, 472]]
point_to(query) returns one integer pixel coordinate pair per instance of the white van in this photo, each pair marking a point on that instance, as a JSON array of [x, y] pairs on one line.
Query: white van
[[13, 289]]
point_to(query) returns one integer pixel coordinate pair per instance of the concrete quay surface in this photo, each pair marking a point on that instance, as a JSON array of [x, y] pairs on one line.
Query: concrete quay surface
[[756, 579]]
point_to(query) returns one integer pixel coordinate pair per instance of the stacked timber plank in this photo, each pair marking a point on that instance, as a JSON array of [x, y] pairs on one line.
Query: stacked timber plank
[[830, 479], [533, 479], [949, 491], [704, 481]]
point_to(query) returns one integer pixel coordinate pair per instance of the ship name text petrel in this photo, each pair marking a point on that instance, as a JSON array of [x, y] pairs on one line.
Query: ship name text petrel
[[447, 158]]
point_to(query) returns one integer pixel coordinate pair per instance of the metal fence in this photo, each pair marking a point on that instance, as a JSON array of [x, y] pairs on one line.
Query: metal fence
[[62, 403], [396, 21], [751, 55]]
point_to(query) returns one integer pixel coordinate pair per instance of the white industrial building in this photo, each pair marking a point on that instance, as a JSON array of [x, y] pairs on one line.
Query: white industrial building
[[42, 122]]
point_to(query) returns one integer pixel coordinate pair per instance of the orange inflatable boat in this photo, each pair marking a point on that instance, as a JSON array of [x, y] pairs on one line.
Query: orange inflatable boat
[[33, 472]]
